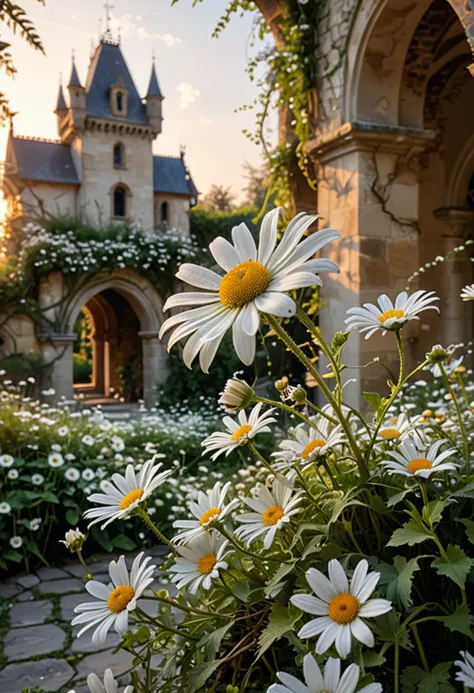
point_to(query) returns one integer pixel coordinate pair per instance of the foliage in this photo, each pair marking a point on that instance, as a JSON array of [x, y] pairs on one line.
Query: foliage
[[81, 369], [207, 225], [257, 185], [219, 199], [21, 363]]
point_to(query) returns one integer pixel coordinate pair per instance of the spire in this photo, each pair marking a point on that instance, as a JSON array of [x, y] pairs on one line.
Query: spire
[[61, 102], [154, 87], [74, 80]]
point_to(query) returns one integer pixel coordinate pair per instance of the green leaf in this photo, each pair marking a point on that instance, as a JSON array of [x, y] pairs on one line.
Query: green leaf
[[374, 399], [199, 674], [12, 555], [282, 620], [211, 642], [466, 491], [456, 565], [373, 659], [123, 542], [460, 621], [469, 525], [417, 680], [433, 511], [398, 579], [72, 516], [276, 584], [393, 500], [411, 533], [241, 590], [50, 497]]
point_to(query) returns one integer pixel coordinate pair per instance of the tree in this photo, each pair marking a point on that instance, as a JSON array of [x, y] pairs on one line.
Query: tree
[[219, 199], [14, 18], [257, 185]]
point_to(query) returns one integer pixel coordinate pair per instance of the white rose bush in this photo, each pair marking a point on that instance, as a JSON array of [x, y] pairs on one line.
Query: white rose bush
[[340, 562]]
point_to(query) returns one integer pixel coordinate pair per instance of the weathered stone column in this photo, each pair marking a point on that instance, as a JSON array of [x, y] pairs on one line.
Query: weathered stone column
[[98, 360], [56, 352], [457, 272], [155, 366]]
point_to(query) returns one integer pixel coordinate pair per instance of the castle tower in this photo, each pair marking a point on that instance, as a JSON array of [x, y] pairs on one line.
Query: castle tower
[[61, 108], [154, 100], [77, 99]]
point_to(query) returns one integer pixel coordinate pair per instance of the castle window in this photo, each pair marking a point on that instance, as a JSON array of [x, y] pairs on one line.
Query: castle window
[[119, 155], [119, 101], [470, 193], [164, 213], [119, 202]]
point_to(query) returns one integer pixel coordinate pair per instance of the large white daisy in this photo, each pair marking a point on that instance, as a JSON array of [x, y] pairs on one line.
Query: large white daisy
[[238, 432], [467, 294], [129, 491], [330, 682], [200, 562], [466, 675], [412, 460], [109, 686], [306, 445], [370, 318], [340, 607], [255, 281], [272, 510], [116, 599], [208, 508]]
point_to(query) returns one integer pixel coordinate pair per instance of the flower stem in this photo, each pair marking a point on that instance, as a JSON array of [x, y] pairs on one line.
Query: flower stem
[[401, 355], [293, 347], [89, 575], [419, 645], [146, 519], [460, 419]]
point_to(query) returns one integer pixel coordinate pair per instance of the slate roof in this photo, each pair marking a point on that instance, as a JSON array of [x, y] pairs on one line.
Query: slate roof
[[61, 102], [44, 161], [154, 87], [170, 176], [74, 80], [108, 64]]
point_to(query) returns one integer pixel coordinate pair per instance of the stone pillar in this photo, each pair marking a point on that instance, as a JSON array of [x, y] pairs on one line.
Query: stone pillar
[[457, 273], [110, 361], [56, 351], [98, 360], [368, 191], [155, 366]]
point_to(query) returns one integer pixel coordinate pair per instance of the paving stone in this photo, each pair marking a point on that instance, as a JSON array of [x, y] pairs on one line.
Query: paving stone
[[70, 601], [61, 586], [75, 569], [22, 643], [84, 643], [47, 573], [30, 614], [49, 674], [100, 566], [27, 580], [9, 591], [26, 596], [119, 663]]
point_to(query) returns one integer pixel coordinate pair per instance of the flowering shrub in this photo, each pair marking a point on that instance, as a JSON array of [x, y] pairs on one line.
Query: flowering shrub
[[340, 562], [51, 459]]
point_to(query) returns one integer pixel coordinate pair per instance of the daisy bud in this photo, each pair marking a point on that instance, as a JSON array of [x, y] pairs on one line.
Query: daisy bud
[[73, 540], [438, 354], [427, 414], [338, 341], [299, 395], [237, 394]]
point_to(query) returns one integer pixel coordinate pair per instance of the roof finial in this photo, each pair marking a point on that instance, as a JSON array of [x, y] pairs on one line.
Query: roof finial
[[153, 55], [107, 7]]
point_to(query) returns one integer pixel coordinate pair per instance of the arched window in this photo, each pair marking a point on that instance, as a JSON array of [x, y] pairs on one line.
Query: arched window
[[470, 193], [119, 101], [120, 202], [164, 213], [119, 155]]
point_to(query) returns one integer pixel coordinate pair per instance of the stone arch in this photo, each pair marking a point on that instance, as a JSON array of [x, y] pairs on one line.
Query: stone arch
[[144, 301]]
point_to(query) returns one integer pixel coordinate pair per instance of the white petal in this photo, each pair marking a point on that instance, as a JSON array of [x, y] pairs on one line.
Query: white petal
[[375, 607], [201, 277], [362, 632], [244, 344], [312, 674], [338, 576], [224, 253], [244, 243], [275, 303], [268, 235], [190, 298], [349, 679], [320, 585], [343, 641], [332, 674]]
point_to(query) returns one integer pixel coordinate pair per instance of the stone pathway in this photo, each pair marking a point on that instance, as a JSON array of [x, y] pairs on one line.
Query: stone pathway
[[40, 648]]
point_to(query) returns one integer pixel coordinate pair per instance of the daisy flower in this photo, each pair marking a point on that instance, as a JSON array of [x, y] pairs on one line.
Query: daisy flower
[[255, 281], [63, 431], [371, 318], [413, 461], [88, 440], [13, 474], [466, 675], [37, 479], [208, 507], [308, 445], [35, 524], [330, 682], [6, 460], [395, 428], [237, 394], [117, 444], [126, 493], [200, 562], [88, 474], [16, 542], [116, 599], [238, 433], [73, 539], [110, 685], [467, 294], [55, 460], [272, 510], [5, 508], [340, 607], [72, 474]]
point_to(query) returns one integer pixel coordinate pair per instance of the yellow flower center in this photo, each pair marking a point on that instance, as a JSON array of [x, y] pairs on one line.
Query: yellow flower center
[[130, 498], [244, 283], [312, 446], [344, 608], [419, 463], [209, 515], [120, 598], [390, 434], [207, 563], [271, 516], [427, 414], [391, 314], [241, 432]]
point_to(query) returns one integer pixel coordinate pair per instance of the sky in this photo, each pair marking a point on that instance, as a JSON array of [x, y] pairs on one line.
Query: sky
[[203, 79]]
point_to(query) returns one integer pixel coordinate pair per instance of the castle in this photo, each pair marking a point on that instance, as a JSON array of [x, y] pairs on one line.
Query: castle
[[102, 168]]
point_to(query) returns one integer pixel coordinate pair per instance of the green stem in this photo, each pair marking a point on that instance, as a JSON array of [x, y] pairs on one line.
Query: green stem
[[260, 457], [89, 574], [424, 492], [243, 550], [293, 347], [290, 410], [463, 390], [396, 668], [460, 419], [401, 355], [419, 645], [146, 519]]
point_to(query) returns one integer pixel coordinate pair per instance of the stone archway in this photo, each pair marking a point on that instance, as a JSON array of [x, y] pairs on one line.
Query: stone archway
[[62, 310]]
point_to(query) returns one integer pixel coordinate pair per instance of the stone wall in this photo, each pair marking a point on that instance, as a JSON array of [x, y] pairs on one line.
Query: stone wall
[[178, 211], [52, 198]]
